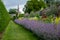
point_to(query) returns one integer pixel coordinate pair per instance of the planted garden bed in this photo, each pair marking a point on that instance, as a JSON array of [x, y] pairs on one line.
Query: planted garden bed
[[48, 31]]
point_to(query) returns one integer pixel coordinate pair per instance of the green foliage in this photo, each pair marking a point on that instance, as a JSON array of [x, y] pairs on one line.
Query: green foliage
[[12, 11], [34, 5], [32, 14], [13, 18], [48, 20], [37, 15], [54, 7], [52, 2], [21, 15], [49, 2], [52, 11], [4, 17]]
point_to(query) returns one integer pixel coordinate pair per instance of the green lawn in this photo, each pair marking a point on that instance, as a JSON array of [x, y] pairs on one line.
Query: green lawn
[[17, 32]]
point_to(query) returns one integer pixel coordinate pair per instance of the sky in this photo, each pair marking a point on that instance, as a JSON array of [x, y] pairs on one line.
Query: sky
[[14, 4]]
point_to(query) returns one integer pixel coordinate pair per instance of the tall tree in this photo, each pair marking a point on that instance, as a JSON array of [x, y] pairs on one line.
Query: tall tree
[[12, 11], [34, 5]]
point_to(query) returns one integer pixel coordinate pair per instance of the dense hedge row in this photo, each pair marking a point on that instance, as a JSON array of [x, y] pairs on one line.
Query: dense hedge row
[[4, 16]]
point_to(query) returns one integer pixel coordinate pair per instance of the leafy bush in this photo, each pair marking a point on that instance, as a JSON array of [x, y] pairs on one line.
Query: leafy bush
[[4, 17], [49, 19], [12, 11], [34, 14], [21, 15], [14, 17], [33, 18], [52, 11]]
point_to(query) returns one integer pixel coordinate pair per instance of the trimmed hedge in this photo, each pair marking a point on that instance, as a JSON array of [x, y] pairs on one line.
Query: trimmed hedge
[[4, 17]]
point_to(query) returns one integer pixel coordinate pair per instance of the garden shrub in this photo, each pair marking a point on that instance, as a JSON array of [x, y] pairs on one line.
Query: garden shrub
[[21, 15], [4, 17]]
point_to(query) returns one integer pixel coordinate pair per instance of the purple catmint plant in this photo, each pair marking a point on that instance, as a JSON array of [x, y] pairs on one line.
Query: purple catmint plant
[[44, 30]]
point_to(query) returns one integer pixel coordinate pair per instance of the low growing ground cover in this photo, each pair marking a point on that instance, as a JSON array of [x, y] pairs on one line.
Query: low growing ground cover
[[46, 31], [17, 32]]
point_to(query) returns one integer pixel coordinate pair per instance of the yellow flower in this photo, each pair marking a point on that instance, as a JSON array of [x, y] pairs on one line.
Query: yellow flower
[[52, 20], [57, 20]]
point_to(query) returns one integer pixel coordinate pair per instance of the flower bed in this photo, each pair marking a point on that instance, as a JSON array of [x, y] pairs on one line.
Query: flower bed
[[48, 31]]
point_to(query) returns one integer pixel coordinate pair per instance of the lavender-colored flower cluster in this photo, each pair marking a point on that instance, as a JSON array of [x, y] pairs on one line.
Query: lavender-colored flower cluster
[[48, 31]]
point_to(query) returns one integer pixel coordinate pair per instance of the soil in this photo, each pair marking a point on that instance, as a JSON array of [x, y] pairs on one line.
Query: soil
[[1, 35]]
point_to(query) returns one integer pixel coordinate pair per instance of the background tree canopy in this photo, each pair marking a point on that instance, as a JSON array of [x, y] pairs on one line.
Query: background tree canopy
[[12, 11], [52, 2], [34, 5]]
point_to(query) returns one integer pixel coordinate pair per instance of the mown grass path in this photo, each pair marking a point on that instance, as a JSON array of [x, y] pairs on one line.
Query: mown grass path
[[17, 32]]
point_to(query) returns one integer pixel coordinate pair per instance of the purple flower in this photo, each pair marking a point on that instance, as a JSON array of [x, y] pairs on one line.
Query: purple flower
[[40, 28]]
